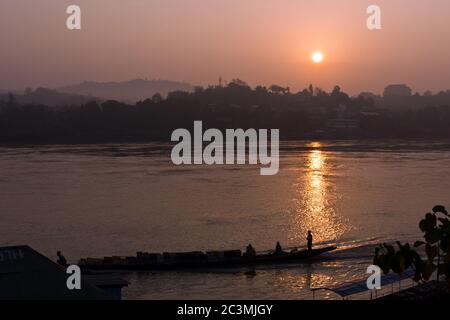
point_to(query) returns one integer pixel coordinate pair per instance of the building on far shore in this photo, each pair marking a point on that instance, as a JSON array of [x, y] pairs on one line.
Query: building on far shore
[[397, 90], [346, 124]]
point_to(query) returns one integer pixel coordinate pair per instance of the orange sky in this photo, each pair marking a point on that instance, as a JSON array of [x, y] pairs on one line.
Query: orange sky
[[262, 42]]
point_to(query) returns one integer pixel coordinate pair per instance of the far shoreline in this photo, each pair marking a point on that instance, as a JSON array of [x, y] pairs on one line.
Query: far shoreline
[[68, 142]]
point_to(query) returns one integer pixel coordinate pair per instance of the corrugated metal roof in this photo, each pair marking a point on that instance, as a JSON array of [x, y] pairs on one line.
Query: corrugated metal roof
[[351, 288]]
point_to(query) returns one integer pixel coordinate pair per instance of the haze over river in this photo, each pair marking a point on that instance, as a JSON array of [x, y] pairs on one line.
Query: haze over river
[[117, 199]]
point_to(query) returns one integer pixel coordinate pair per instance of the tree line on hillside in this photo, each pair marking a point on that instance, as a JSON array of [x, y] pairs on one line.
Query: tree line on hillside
[[310, 113]]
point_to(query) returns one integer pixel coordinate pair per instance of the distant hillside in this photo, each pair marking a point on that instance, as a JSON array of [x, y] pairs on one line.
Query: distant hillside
[[128, 91], [47, 97]]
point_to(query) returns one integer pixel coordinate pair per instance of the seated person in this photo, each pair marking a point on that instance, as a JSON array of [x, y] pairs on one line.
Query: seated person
[[61, 259], [250, 252], [278, 249]]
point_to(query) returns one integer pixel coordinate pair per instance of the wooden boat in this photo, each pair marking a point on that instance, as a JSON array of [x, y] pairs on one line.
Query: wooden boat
[[197, 260]]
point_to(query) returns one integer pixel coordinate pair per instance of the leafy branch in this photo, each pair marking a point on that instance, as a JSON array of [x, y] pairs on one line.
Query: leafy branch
[[436, 229]]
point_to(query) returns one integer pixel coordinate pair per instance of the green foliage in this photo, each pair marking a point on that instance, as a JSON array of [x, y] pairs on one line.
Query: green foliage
[[436, 229]]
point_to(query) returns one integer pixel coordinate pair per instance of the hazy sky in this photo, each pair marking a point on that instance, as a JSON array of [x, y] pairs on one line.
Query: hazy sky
[[260, 41]]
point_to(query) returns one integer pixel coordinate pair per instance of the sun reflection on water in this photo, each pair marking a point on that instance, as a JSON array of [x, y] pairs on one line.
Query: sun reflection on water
[[316, 199]]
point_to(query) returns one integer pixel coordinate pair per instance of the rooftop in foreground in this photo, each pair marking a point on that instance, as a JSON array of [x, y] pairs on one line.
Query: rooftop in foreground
[[27, 274]]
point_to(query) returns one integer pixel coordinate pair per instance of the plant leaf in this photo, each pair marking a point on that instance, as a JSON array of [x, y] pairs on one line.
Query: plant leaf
[[418, 244], [440, 208]]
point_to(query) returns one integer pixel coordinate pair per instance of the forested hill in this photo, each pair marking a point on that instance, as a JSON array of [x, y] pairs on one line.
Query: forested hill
[[309, 114]]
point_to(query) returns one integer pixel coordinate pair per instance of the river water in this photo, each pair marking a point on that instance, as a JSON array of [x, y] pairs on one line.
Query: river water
[[116, 199]]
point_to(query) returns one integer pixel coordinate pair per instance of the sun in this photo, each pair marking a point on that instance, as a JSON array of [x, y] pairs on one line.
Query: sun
[[317, 57]]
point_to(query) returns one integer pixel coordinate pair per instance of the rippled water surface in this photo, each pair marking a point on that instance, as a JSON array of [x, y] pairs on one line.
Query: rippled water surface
[[98, 200]]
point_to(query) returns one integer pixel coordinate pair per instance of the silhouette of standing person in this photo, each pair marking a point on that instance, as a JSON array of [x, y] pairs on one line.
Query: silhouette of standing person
[[309, 239], [278, 249], [61, 259]]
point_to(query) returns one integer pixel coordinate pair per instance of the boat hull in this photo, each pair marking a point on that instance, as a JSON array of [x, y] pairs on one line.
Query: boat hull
[[242, 261]]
